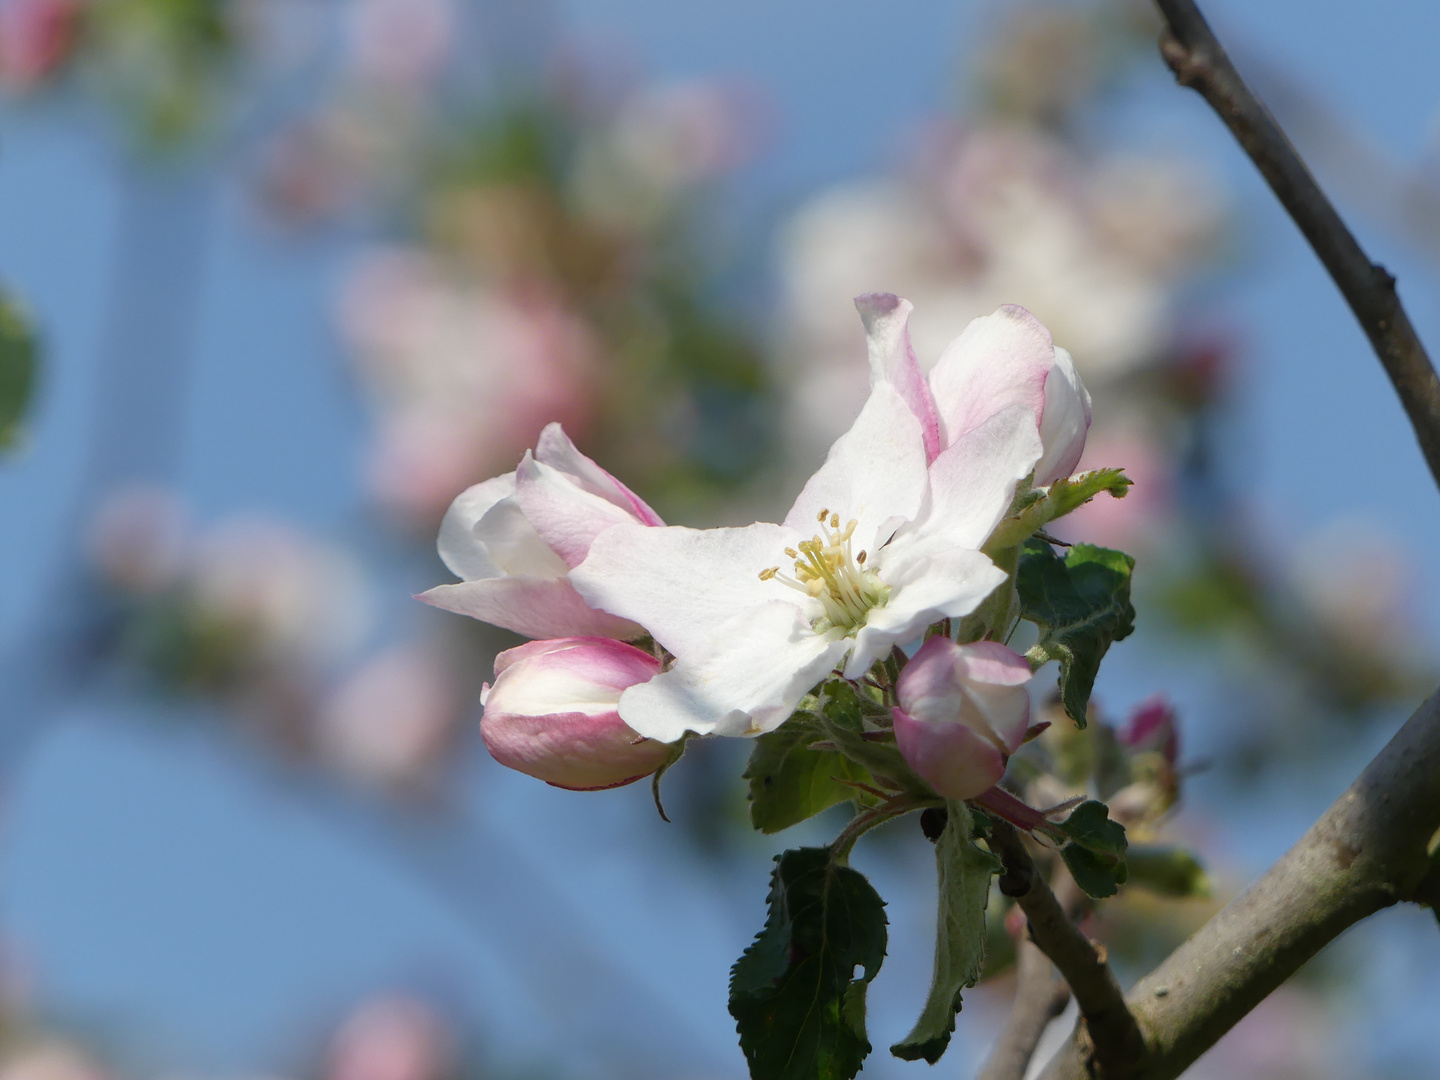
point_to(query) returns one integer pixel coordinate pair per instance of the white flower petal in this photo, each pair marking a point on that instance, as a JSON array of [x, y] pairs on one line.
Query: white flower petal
[[929, 580], [681, 583], [513, 545], [875, 473], [460, 549], [747, 681], [973, 482], [1066, 420]]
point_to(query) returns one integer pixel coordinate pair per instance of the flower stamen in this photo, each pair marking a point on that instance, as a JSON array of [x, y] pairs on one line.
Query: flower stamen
[[827, 570]]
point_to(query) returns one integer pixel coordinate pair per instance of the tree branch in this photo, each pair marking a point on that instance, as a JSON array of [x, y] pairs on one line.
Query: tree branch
[[1039, 998], [1366, 852], [1115, 1035], [1199, 62]]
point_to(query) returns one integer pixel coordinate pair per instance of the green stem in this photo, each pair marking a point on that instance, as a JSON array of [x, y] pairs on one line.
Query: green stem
[[862, 823]]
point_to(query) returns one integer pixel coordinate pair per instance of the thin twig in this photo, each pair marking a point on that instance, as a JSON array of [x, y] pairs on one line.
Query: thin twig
[[1199, 62], [1118, 1044], [1039, 998], [1368, 851]]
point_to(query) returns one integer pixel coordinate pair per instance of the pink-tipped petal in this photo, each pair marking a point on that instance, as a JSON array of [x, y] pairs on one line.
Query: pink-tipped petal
[[555, 449], [571, 672], [567, 518], [532, 607], [999, 360], [892, 359], [571, 750], [955, 761]]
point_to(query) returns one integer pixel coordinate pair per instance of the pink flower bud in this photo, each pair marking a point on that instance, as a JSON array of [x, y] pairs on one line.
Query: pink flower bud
[[963, 711], [1151, 727], [553, 713]]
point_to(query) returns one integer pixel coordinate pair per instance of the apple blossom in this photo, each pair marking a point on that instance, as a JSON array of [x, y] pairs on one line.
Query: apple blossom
[[515, 538], [963, 710], [1003, 359], [1151, 728], [904, 502], [553, 713], [389, 722], [391, 1038], [36, 38]]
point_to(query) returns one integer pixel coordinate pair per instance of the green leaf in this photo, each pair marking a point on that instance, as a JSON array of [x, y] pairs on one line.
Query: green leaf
[[790, 782], [19, 358], [1082, 605], [1096, 853], [1095, 874], [1169, 871], [1046, 504], [797, 1005], [1090, 826], [964, 876]]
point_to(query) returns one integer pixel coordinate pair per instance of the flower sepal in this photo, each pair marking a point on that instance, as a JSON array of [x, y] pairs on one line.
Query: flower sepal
[[1034, 508], [866, 737]]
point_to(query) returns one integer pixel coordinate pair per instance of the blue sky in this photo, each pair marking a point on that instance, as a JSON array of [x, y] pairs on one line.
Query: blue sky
[[174, 888]]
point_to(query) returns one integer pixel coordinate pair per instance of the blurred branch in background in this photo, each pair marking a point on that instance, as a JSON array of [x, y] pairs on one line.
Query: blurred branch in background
[[1200, 63], [137, 409]]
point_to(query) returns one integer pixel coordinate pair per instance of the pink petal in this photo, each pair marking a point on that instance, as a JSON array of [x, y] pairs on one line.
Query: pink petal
[[980, 686], [892, 359], [555, 449], [955, 761], [998, 361], [534, 607], [571, 750], [566, 517], [993, 663], [603, 667]]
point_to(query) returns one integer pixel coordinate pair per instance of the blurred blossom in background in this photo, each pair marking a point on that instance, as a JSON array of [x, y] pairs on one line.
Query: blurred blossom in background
[[304, 271]]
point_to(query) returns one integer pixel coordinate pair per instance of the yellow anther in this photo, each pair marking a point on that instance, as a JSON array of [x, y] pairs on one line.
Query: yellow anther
[[827, 571]]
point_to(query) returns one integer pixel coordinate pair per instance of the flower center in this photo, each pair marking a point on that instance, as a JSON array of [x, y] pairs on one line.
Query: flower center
[[827, 570]]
